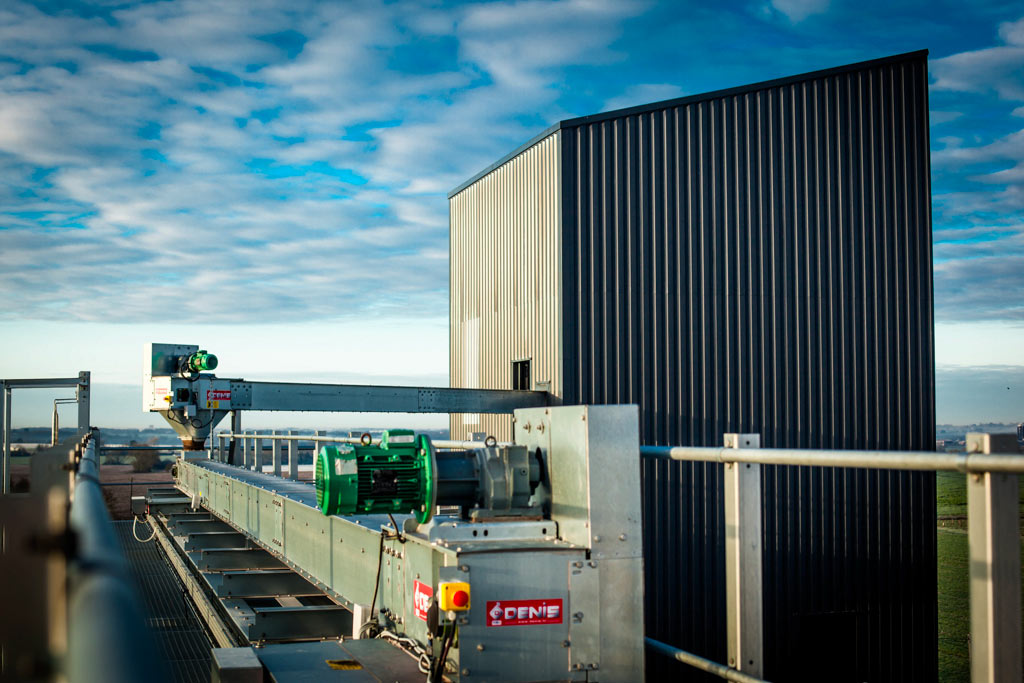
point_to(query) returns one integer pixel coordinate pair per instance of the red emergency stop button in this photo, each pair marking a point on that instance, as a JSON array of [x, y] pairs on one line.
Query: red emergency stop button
[[453, 596]]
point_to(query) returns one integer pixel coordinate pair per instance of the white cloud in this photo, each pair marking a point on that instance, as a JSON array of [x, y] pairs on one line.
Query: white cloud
[[994, 69], [798, 10], [643, 93]]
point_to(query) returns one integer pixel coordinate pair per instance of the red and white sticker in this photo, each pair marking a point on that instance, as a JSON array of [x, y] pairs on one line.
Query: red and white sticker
[[523, 612], [421, 594], [218, 394]]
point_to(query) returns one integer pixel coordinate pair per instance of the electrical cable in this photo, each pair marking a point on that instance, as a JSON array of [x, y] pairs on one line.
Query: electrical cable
[[371, 622], [437, 671], [135, 533]]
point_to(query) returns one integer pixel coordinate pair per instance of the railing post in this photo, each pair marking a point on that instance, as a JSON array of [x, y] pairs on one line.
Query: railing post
[[83, 392], [743, 585], [993, 534], [236, 428], [317, 445], [5, 417], [246, 451], [293, 457], [257, 445], [275, 450]]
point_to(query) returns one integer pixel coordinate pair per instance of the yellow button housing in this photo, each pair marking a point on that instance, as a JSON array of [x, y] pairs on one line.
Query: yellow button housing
[[453, 596]]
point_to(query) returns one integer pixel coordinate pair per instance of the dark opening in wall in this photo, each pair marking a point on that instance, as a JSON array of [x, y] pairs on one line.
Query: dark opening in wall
[[521, 375]]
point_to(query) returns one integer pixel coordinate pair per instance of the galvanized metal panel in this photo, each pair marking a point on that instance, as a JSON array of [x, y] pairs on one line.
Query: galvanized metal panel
[[505, 279], [760, 261]]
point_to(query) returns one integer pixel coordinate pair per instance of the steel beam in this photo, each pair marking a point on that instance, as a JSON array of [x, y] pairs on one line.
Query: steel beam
[[230, 558], [206, 540], [993, 535], [743, 562], [380, 399], [184, 527], [260, 584], [300, 623]]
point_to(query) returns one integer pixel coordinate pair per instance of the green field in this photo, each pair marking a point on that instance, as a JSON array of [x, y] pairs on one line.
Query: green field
[[954, 606]]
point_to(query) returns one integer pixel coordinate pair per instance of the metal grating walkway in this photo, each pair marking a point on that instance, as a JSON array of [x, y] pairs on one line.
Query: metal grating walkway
[[179, 634]]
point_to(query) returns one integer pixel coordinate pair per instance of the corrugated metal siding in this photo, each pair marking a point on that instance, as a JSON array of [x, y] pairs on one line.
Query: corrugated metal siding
[[761, 262], [505, 279]]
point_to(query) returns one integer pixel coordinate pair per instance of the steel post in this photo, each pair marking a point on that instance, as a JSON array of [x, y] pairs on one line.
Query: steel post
[[275, 454], [293, 457], [257, 447], [84, 407], [5, 466], [317, 444], [232, 456], [743, 583], [246, 451], [993, 534]]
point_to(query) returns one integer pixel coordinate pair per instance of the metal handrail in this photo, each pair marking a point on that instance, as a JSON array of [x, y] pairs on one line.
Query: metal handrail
[[990, 465], [882, 460], [107, 635], [438, 443], [720, 670]]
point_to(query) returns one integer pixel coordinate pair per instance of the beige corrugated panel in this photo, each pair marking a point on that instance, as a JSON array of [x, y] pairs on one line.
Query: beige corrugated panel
[[500, 313]]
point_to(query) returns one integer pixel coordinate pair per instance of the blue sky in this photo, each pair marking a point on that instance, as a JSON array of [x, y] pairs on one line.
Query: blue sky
[[272, 176]]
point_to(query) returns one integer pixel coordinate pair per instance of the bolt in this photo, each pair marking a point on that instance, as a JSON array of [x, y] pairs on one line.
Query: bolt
[[622, 537], [594, 666], [463, 567], [577, 564], [578, 615], [528, 427], [593, 564], [480, 647], [597, 539], [565, 643], [465, 672]]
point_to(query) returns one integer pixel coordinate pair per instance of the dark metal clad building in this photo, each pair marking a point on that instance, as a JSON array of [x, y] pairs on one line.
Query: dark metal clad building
[[751, 260]]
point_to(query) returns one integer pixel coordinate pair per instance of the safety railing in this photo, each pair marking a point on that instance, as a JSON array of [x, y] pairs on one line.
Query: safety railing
[[80, 384], [107, 635], [250, 451], [991, 465]]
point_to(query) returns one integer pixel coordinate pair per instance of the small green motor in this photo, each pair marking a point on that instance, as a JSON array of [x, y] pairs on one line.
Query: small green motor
[[399, 475], [201, 360]]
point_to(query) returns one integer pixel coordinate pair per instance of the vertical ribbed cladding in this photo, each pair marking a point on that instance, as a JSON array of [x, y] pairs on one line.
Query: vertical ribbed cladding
[[505, 281], [760, 261]]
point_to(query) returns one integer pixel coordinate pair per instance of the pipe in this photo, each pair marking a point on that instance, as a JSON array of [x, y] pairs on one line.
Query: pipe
[[701, 663], [107, 635], [883, 460]]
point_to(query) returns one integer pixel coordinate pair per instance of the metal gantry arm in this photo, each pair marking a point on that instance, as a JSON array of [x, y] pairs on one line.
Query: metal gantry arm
[[288, 396]]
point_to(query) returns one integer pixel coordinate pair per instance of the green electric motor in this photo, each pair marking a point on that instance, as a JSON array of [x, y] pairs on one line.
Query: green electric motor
[[201, 361], [398, 476]]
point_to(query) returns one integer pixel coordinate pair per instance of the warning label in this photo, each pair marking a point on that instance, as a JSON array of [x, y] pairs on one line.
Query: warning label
[[421, 594], [523, 612]]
